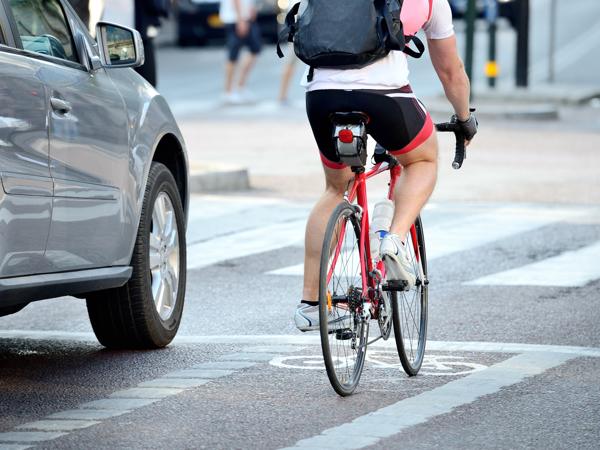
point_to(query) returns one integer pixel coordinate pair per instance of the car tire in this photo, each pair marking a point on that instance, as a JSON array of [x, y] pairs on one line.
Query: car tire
[[8, 310], [136, 315]]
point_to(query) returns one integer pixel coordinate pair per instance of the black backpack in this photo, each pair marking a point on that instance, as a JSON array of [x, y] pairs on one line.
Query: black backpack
[[346, 34]]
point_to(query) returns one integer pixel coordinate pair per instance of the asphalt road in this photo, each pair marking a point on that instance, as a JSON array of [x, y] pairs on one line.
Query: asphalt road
[[513, 356], [512, 360]]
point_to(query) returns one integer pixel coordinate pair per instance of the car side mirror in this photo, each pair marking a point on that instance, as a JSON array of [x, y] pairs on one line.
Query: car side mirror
[[119, 46]]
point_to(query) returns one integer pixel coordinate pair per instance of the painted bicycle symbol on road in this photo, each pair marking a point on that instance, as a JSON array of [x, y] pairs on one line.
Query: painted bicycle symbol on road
[[433, 365]]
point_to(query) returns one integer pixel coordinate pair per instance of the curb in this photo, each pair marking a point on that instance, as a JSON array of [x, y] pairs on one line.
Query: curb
[[215, 177], [542, 94], [496, 110]]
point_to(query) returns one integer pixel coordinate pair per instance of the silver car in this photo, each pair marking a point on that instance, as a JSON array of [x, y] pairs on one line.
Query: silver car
[[94, 184]]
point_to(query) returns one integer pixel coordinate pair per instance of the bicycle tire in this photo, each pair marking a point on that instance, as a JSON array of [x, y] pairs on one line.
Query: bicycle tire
[[347, 332], [411, 356]]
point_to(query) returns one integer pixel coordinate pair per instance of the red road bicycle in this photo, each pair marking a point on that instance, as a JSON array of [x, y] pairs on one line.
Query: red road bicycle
[[353, 290]]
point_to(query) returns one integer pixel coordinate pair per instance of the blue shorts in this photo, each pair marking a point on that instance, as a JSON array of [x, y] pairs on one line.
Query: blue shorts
[[235, 43]]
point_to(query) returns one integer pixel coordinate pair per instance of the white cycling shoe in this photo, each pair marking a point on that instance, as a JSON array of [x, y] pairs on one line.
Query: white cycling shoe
[[306, 318], [398, 265]]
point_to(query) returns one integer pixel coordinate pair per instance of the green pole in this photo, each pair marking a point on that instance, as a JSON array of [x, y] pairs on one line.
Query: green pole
[[470, 17]]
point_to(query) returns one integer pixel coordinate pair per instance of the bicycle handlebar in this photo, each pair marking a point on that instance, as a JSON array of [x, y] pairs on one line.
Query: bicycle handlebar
[[460, 153]]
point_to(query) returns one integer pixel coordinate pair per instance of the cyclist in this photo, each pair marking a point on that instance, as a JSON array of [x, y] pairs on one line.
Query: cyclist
[[399, 122]]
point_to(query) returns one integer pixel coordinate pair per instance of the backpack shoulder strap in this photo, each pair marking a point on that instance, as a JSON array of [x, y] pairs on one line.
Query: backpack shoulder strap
[[289, 30], [430, 10], [418, 44], [396, 44]]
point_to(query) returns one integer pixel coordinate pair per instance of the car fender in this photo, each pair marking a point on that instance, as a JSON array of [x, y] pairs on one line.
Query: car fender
[[150, 123]]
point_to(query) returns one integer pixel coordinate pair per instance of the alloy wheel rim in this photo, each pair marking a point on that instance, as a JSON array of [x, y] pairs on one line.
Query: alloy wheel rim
[[164, 256]]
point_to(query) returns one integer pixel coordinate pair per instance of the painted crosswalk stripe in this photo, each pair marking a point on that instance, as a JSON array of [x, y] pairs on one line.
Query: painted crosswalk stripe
[[211, 206], [213, 216], [475, 231], [371, 428], [246, 243], [466, 233], [572, 268]]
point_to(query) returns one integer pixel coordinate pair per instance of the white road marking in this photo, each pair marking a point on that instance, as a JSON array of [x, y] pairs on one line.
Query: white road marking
[[572, 268], [227, 365], [533, 359], [386, 422], [468, 232], [57, 425], [29, 436], [313, 339], [214, 217], [271, 237], [119, 403], [124, 401], [296, 270], [183, 383], [14, 446], [88, 414], [433, 365], [200, 373], [146, 392], [204, 207]]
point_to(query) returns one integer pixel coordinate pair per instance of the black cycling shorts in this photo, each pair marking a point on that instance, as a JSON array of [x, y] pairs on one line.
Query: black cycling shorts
[[235, 43], [397, 119]]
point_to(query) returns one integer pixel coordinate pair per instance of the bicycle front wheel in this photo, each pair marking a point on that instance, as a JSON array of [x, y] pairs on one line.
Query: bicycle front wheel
[[410, 307], [344, 331]]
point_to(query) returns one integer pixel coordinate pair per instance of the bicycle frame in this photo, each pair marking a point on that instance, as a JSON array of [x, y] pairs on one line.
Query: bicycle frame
[[358, 192]]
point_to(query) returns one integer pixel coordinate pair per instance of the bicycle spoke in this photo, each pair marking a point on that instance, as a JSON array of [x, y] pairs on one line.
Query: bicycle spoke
[[342, 336], [410, 314]]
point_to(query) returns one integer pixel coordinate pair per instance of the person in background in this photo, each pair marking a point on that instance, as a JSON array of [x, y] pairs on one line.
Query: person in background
[[286, 78], [288, 70], [241, 30], [144, 16]]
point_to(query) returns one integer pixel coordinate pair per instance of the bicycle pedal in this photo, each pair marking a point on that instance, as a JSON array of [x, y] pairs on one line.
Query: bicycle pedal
[[395, 286], [343, 335]]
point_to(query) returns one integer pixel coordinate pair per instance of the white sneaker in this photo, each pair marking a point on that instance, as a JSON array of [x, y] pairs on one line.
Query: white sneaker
[[232, 98], [306, 318], [246, 97], [398, 264]]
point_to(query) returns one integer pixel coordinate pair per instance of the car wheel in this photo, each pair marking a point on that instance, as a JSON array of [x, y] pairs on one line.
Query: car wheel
[[146, 312], [8, 310]]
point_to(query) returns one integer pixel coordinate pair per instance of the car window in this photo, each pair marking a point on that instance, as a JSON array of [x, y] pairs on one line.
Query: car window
[[42, 27]]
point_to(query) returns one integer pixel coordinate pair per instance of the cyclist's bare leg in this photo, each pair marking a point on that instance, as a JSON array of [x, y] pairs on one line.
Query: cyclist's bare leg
[[415, 185], [336, 183]]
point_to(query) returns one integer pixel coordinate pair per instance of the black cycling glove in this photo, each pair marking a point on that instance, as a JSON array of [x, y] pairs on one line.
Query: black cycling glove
[[469, 126]]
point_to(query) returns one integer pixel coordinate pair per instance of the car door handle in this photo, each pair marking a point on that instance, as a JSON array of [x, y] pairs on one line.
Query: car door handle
[[60, 106]]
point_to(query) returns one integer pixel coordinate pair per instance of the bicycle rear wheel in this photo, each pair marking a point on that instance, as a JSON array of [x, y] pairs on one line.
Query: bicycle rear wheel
[[344, 331], [410, 307]]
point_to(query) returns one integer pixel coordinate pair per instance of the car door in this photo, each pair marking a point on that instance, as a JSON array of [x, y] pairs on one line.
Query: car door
[[88, 137], [26, 185]]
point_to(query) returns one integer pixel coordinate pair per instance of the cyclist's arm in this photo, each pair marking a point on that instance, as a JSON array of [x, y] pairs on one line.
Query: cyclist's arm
[[451, 72]]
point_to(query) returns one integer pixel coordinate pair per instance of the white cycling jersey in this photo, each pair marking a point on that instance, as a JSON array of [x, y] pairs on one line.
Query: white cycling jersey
[[434, 17]]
